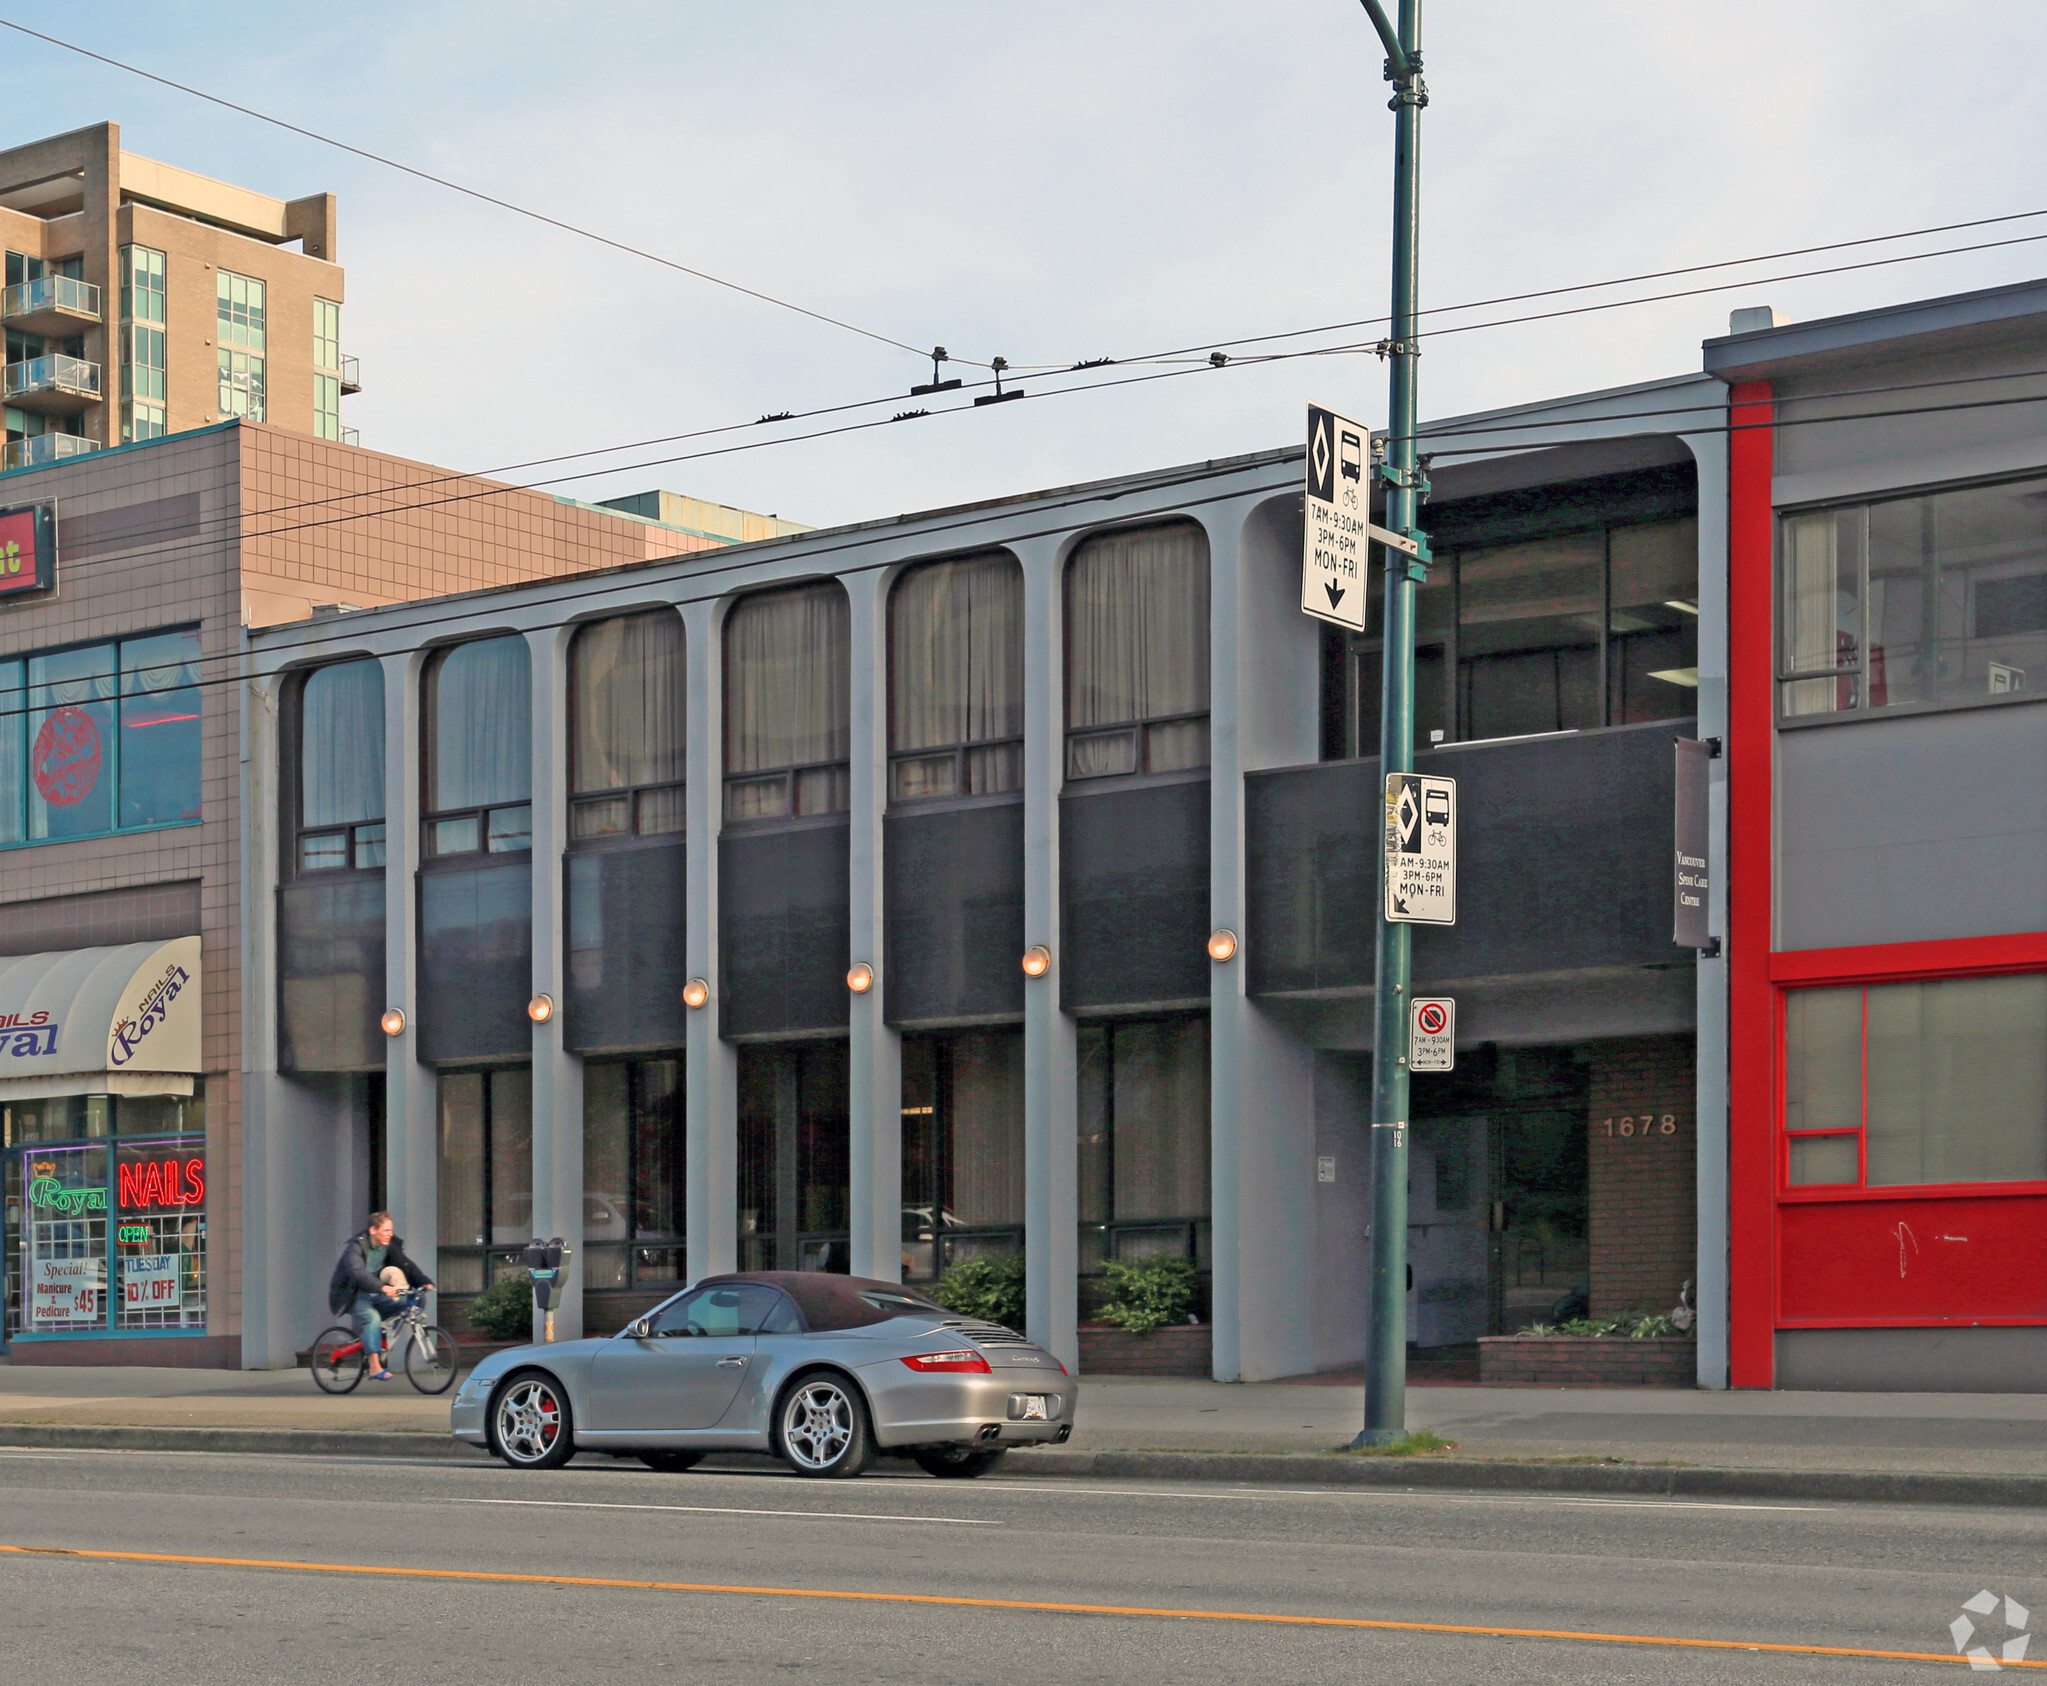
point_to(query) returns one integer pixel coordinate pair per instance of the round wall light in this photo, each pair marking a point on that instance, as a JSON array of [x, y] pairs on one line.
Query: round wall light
[[540, 1009], [393, 1021], [1222, 945], [695, 993], [1037, 960], [861, 978]]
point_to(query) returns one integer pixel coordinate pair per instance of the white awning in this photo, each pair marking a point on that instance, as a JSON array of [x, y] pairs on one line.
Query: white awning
[[98, 1021]]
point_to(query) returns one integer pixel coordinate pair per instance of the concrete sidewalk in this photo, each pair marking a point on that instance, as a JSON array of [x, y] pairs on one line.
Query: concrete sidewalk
[[1959, 1433]]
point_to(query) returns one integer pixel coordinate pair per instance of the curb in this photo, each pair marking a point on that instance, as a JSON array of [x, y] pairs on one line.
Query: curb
[[304, 1442], [1236, 1468]]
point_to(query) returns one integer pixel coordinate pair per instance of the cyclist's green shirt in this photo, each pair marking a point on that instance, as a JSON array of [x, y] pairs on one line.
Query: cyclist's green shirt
[[374, 1257]]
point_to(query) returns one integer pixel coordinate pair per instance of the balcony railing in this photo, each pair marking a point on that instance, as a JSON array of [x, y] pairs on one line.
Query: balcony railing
[[55, 382], [45, 448], [50, 304], [351, 376]]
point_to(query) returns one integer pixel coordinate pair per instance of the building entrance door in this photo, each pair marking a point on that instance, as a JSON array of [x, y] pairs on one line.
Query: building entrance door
[[1449, 1194]]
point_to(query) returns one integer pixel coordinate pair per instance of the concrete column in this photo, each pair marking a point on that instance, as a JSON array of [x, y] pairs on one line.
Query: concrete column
[[411, 1122], [557, 1074], [1710, 452], [711, 1069], [1051, 1201], [1264, 680], [875, 1057]]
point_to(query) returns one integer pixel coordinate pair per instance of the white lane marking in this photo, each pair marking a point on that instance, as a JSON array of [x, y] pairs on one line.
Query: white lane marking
[[738, 1510], [1685, 1504], [1080, 1485]]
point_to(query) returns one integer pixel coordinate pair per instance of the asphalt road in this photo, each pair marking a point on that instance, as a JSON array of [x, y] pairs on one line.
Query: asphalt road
[[1861, 1577]]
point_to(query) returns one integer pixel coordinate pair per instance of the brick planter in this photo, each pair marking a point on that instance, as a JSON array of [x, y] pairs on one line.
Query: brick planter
[[1187, 1349], [1587, 1361]]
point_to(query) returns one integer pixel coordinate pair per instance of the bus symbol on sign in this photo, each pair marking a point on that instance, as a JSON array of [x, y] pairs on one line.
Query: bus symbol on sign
[[1432, 1034]]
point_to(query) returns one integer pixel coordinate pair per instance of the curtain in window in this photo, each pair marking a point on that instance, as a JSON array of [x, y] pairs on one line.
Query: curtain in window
[[511, 1156], [628, 702], [956, 653], [1137, 627], [341, 744], [479, 738], [1822, 587], [787, 679], [1958, 1081], [985, 1121], [460, 1182]]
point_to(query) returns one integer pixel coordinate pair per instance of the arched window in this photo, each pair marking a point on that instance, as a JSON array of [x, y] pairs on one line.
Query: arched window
[[479, 777], [340, 820], [626, 754], [788, 700], [1137, 653], [955, 714]]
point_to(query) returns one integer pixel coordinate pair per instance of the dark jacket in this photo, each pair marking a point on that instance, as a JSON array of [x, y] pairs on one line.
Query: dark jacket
[[353, 1276]]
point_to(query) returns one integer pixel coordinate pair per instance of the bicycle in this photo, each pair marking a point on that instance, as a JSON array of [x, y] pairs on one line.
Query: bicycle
[[339, 1361]]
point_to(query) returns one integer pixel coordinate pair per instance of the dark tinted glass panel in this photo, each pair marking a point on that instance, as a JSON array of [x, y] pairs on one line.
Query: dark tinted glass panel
[[160, 720]]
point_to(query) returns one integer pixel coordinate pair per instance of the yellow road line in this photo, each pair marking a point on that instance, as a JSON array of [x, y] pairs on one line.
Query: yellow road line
[[1260, 1616]]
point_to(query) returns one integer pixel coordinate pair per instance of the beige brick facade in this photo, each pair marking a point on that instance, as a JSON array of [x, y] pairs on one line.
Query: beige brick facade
[[1643, 1152]]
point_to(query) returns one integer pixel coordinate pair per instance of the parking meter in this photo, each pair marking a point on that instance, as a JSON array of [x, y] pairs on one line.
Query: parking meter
[[543, 1265]]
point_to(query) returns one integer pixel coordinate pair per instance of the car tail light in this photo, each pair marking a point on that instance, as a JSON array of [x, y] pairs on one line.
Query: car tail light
[[960, 1361]]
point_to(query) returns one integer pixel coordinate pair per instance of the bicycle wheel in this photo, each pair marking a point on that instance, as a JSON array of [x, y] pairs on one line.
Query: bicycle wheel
[[338, 1361], [431, 1360]]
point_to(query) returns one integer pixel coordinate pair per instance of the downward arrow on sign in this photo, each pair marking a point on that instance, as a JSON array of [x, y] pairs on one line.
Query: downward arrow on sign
[[1335, 593]]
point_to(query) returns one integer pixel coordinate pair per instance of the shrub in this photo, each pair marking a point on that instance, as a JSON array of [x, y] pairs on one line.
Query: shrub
[[991, 1289], [1629, 1325], [1149, 1293], [504, 1310]]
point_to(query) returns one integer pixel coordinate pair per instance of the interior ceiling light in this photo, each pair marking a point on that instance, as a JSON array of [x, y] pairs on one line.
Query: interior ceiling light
[[1037, 960]]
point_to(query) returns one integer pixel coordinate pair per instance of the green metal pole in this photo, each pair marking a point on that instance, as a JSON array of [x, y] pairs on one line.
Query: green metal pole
[[1386, 1329]]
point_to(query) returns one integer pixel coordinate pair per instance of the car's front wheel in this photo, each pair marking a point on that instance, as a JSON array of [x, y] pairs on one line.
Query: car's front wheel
[[958, 1463], [530, 1424], [821, 1426]]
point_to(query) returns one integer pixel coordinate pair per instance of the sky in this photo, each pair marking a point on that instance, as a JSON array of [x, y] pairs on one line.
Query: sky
[[1051, 183]]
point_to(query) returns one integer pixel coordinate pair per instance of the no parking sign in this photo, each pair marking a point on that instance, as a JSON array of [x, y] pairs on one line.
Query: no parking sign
[[1432, 1033]]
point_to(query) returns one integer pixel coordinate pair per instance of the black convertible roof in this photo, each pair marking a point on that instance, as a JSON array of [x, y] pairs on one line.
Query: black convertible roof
[[828, 1301]]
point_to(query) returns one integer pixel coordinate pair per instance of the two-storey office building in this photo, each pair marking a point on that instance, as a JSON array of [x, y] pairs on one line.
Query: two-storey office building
[[847, 901], [1888, 767], [126, 579]]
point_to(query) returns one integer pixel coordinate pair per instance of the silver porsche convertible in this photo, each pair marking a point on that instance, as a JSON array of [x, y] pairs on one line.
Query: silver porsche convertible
[[823, 1370]]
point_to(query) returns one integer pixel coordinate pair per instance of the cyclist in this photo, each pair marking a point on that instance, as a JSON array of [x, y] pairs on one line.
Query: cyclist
[[360, 1285]]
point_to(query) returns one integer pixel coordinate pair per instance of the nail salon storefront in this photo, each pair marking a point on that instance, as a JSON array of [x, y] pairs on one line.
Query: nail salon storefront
[[104, 1122]]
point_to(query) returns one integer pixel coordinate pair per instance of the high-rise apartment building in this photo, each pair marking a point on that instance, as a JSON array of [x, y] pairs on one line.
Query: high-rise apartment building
[[141, 299]]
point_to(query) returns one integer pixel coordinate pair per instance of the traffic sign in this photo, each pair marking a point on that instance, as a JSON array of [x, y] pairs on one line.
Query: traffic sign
[[1421, 849], [1432, 1033], [1336, 582]]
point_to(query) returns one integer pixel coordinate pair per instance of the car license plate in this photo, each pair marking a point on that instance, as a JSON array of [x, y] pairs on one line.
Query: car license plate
[[1032, 1407]]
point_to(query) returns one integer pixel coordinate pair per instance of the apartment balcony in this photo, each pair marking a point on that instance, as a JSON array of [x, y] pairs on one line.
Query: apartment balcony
[[56, 384], [45, 448], [351, 376], [55, 305]]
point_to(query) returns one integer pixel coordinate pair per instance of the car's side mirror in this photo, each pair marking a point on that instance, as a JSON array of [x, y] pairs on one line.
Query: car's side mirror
[[639, 1328]]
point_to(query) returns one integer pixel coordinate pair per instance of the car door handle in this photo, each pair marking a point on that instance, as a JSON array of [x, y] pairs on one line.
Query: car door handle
[[732, 1364]]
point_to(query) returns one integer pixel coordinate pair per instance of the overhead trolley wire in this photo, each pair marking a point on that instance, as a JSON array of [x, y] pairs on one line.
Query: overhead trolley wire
[[473, 192]]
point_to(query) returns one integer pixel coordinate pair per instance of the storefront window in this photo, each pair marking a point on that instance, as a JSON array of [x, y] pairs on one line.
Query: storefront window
[[1137, 653], [100, 739], [963, 1169], [1143, 1140], [1933, 599], [794, 1158], [1893, 1085], [105, 1236], [632, 1173], [626, 753], [486, 1176]]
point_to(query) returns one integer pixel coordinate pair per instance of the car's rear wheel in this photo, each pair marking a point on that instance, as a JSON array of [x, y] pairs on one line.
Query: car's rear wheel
[[958, 1463], [530, 1425], [821, 1426], [670, 1463]]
